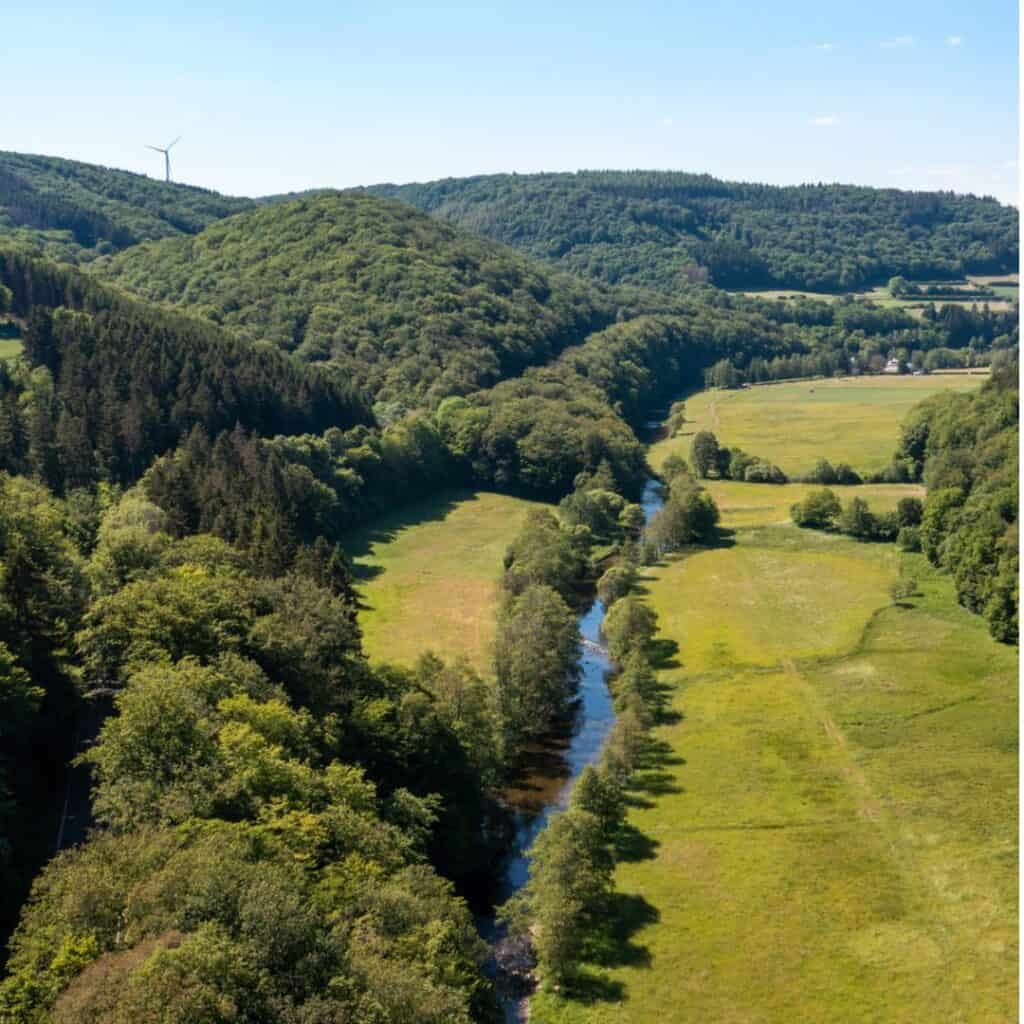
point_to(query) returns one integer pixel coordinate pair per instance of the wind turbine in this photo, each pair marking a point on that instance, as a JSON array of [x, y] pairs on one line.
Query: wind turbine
[[166, 150]]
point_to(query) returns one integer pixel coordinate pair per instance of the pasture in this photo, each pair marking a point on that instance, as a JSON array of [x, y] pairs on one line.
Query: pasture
[[850, 419], [1005, 286], [10, 348], [428, 575], [825, 828]]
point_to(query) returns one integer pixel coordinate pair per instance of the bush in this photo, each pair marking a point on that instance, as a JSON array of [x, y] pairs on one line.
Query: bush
[[818, 511], [857, 520], [761, 472], [909, 538]]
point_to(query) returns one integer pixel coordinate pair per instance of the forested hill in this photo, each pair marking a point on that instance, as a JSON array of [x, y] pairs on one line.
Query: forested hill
[[656, 228], [73, 210], [412, 308], [115, 382]]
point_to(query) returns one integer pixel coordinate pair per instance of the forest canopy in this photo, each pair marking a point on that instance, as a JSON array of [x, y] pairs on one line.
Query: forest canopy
[[664, 229]]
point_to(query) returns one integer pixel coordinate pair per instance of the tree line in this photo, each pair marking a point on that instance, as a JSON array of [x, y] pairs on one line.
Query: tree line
[[964, 449]]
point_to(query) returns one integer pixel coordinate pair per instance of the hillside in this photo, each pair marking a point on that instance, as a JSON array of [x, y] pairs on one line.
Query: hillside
[[74, 210], [412, 308], [658, 228]]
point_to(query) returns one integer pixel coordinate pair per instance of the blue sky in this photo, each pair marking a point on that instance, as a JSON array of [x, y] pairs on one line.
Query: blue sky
[[276, 97]]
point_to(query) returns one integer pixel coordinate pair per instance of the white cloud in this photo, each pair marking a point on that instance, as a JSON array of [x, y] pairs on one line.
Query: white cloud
[[897, 43], [825, 46], [667, 122], [826, 121], [954, 40]]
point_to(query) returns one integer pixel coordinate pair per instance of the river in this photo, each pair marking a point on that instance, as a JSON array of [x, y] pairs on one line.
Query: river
[[553, 767]]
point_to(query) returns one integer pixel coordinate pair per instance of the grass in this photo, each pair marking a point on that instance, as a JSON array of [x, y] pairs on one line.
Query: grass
[[1005, 286], [429, 575], [10, 348], [824, 827], [853, 419], [828, 831]]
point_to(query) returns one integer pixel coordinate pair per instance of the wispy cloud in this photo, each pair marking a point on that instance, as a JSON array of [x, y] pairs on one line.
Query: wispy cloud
[[954, 40], [826, 46], [825, 121], [897, 42], [667, 122]]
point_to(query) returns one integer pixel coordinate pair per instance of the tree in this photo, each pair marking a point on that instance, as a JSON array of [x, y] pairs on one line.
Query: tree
[[819, 510], [535, 653], [857, 520], [704, 452], [629, 625], [909, 511]]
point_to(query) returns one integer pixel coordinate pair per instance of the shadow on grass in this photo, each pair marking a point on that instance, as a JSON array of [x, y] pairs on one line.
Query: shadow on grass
[[385, 527], [609, 944]]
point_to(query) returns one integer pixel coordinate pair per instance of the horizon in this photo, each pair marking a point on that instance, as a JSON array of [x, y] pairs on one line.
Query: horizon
[[522, 174], [321, 97]]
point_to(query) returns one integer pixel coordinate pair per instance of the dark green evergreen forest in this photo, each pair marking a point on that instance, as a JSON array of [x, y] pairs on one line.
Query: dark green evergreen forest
[[75, 211], [212, 806]]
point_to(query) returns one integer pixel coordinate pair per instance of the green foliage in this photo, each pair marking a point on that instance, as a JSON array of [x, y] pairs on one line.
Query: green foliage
[[74, 211], [616, 582], [819, 510], [570, 873], [412, 309], [629, 626], [965, 448], [688, 516], [857, 520], [117, 382], [544, 553], [535, 661], [290, 918], [704, 453], [653, 227]]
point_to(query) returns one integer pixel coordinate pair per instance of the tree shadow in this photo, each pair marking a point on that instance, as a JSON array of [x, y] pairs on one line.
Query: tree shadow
[[632, 845], [723, 537], [662, 652], [386, 527]]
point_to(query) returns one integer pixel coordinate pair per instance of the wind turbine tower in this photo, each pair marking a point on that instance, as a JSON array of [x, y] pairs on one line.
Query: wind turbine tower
[[166, 150]]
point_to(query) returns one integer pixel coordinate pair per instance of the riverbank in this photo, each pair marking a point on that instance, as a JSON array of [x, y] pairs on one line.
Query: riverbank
[[825, 829]]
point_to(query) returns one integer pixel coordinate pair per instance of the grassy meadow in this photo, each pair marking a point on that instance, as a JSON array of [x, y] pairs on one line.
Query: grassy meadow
[[10, 348], [824, 829], [1005, 286], [849, 419], [429, 575]]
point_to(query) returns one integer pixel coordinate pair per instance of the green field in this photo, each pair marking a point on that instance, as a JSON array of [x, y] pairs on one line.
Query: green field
[[429, 575], [825, 827], [829, 832], [1005, 286], [853, 419], [10, 348]]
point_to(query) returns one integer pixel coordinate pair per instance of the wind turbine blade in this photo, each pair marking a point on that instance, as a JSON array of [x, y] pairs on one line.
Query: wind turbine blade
[[156, 149], [174, 143]]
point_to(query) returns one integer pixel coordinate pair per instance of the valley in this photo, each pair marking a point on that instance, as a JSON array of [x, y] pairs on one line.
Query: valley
[[338, 602], [810, 842]]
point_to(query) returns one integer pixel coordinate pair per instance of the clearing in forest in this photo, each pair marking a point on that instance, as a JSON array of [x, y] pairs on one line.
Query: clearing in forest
[[849, 419], [428, 575]]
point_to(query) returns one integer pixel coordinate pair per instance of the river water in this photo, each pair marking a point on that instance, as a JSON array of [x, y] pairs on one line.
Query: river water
[[553, 767]]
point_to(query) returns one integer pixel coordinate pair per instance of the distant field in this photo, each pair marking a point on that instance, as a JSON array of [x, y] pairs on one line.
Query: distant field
[[768, 504], [854, 420], [429, 575], [1005, 286], [10, 348]]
